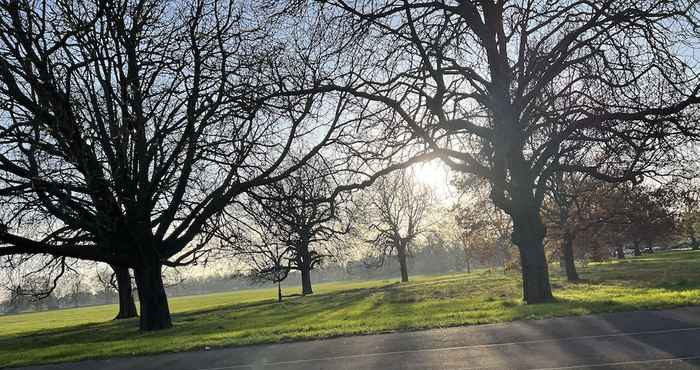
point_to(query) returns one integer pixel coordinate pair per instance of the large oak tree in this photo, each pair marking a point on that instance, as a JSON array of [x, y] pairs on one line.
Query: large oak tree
[[129, 124], [505, 88]]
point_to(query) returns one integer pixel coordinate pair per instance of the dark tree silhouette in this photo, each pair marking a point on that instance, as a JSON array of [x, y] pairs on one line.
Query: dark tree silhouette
[[128, 125], [304, 214], [394, 215], [122, 282], [504, 89], [252, 239], [561, 209], [303, 206]]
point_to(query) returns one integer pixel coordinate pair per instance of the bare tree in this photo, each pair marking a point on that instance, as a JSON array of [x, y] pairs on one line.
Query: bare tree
[[253, 240], [127, 125], [53, 270], [560, 211], [394, 214], [484, 229], [310, 213], [31, 280], [579, 210], [303, 213], [118, 278], [504, 89]]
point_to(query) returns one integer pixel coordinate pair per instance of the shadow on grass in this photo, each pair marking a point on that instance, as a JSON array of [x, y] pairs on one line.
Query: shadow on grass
[[473, 298], [259, 314], [398, 297]]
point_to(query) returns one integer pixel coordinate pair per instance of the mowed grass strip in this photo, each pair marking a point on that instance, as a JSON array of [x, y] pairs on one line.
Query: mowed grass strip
[[661, 280]]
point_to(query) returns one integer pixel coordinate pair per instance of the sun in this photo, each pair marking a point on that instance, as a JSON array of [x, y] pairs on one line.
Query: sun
[[435, 175]]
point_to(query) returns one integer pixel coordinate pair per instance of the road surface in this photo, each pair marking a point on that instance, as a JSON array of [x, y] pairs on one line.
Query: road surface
[[667, 339]]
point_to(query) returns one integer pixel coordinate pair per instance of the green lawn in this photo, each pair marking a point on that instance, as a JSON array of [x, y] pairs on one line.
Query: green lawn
[[661, 280]]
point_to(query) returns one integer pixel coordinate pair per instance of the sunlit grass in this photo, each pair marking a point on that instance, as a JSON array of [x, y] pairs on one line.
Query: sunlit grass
[[245, 317]]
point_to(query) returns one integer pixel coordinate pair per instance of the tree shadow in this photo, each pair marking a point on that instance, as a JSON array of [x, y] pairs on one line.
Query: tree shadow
[[269, 314], [303, 317], [618, 338]]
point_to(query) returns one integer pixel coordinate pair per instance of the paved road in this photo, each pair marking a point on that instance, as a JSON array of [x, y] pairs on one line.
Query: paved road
[[635, 340]]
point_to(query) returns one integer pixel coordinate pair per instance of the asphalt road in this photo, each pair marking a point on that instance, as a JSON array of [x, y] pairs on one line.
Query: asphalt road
[[667, 339]]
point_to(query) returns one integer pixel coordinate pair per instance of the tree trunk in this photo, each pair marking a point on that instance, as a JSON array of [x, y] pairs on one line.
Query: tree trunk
[[694, 242], [650, 248], [279, 291], [528, 235], [401, 251], [155, 313], [469, 267], [304, 263], [568, 254], [637, 251], [127, 307], [306, 281], [620, 252]]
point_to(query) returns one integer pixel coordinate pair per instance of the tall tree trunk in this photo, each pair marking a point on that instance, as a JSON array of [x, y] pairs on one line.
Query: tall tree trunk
[[401, 251], [524, 209], [620, 252], [562, 262], [279, 291], [306, 281], [637, 251], [568, 254], [127, 307], [304, 264], [469, 266], [528, 235], [155, 313]]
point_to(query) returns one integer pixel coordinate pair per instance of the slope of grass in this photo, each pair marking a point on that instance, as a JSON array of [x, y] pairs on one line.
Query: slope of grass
[[661, 280]]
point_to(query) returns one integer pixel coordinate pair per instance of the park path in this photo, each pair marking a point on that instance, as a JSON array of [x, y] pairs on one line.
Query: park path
[[667, 339]]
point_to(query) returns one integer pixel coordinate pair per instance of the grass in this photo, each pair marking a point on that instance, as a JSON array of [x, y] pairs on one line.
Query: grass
[[656, 281]]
